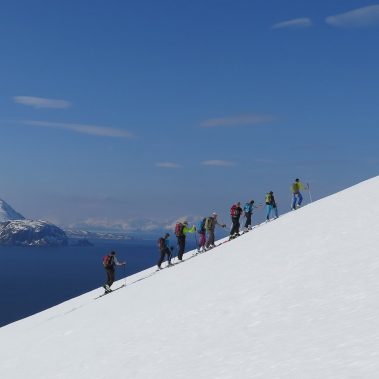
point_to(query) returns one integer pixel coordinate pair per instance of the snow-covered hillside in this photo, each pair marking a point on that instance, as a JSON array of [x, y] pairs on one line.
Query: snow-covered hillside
[[295, 298], [31, 233], [7, 213]]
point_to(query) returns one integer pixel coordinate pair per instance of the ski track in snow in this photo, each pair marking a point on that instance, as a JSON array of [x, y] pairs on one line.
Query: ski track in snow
[[293, 298]]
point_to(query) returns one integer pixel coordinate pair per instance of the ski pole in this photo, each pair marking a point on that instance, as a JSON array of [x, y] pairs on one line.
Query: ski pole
[[197, 244], [125, 273], [309, 192]]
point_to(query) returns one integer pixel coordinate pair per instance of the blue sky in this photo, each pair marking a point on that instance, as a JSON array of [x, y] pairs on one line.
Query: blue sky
[[120, 110]]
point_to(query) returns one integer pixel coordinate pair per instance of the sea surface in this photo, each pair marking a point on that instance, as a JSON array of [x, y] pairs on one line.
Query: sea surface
[[36, 278]]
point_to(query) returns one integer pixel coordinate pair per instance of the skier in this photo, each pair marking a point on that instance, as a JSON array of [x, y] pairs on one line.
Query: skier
[[248, 211], [297, 197], [210, 225], [165, 249], [270, 205], [109, 262], [235, 214], [201, 230], [181, 230]]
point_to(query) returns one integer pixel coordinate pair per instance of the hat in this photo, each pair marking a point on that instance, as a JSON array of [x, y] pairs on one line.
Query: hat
[[297, 180], [271, 192], [214, 214], [185, 223], [167, 234], [112, 253]]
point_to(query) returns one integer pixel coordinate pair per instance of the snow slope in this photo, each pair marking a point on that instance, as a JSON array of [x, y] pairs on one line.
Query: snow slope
[[295, 298]]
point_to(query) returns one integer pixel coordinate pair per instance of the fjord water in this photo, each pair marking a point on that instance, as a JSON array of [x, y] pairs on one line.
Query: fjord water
[[36, 278]]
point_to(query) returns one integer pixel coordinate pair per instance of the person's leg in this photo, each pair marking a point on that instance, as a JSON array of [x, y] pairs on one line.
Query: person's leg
[[161, 258], [299, 199], [268, 211], [211, 238], [167, 252], [294, 199], [111, 276], [202, 240], [248, 220], [182, 244], [276, 212]]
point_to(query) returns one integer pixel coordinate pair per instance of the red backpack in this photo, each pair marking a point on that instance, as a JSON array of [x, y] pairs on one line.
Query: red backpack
[[234, 211], [107, 261], [179, 229]]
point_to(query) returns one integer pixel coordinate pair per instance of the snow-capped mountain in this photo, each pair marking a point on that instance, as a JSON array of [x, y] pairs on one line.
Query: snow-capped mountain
[[16, 230], [31, 233], [296, 298], [7, 213]]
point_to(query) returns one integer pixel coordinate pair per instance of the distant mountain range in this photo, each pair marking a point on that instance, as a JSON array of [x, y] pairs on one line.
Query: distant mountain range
[[16, 230]]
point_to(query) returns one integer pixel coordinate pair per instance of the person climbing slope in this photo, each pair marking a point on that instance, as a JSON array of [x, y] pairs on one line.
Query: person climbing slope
[[110, 262], [235, 214], [297, 197], [165, 250], [181, 230], [210, 225]]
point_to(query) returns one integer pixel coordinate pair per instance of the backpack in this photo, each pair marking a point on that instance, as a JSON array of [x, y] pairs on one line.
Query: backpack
[[234, 211], [108, 261], [208, 223], [247, 208], [179, 229], [161, 243], [201, 226]]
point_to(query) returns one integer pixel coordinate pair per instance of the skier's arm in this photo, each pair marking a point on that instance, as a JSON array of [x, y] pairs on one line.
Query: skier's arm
[[189, 230], [117, 263], [222, 225]]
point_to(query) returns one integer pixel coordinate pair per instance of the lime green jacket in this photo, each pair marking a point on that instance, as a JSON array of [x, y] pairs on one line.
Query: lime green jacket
[[186, 229], [297, 186]]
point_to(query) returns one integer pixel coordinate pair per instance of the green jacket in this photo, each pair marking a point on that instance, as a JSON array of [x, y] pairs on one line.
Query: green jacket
[[297, 186], [186, 229]]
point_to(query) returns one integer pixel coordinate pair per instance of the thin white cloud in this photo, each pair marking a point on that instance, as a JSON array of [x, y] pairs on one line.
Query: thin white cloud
[[94, 130], [366, 16], [41, 102], [253, 119], [167, 165], [217, 162], [303, 22]]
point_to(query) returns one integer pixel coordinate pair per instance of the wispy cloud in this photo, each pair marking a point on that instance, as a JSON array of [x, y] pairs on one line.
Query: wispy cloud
[[41, 102], [252, 119], [297, 23], [366, 16], [217, 162], [94, 130], [168, 165]]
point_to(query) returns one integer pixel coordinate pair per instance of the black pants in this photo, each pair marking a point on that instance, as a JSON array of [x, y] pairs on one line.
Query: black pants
[[235, 226], [248, 219], [181, 246], [110, 276], [164, 252]]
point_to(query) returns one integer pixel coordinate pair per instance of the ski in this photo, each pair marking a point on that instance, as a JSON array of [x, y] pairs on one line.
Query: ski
[[107, 293]]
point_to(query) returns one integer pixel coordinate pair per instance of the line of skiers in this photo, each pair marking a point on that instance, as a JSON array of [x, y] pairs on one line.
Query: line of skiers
[[206, 227], [206, 230]]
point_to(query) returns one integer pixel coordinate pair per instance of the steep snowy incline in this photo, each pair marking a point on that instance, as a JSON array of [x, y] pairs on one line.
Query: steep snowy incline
[[295, 298]]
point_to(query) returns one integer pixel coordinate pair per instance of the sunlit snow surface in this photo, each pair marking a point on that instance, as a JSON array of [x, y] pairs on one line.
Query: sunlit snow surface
[[295, 298]]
